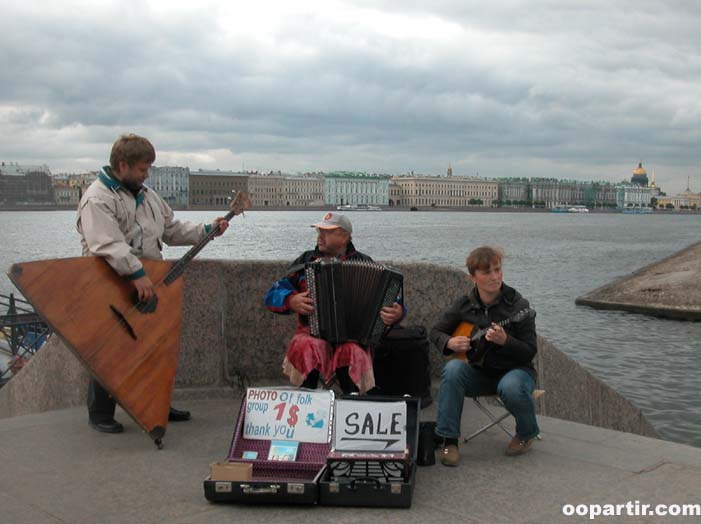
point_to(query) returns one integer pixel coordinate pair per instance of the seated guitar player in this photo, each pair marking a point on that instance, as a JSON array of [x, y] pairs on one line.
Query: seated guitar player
[[499, 362]]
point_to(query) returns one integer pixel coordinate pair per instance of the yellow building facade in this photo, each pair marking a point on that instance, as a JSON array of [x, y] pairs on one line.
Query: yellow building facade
[[417, 191]]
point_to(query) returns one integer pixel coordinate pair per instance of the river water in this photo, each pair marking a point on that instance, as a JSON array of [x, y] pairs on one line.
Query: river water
[[551, 258]]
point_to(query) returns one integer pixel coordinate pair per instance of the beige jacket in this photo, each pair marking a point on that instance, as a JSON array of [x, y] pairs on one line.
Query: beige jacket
[[122, 228]]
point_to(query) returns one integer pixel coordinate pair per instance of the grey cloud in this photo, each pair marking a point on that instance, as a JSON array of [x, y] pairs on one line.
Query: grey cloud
[[592, 85]]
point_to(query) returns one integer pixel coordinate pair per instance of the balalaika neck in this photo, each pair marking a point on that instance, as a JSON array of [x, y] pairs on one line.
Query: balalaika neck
[[179, 267]]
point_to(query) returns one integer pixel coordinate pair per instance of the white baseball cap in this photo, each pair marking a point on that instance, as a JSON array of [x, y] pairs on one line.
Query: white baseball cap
[[334, 220]]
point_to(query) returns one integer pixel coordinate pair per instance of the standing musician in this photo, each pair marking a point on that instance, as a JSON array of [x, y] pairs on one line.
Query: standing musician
[[308, 357], [500, 362], [121, 220]]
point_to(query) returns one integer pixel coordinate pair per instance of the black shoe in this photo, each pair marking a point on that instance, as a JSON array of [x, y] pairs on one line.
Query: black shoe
[[107, 426], [312, 380], [177, 415]]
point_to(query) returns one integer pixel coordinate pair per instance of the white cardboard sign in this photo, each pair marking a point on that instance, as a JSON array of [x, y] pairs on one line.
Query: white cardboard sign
[[287, 414], [370, 426]]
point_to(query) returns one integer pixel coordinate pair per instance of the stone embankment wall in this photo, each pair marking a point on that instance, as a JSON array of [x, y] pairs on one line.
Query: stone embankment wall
[[229, 341]]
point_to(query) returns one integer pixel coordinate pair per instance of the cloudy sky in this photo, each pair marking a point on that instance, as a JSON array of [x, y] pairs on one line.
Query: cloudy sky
[[568, 89]]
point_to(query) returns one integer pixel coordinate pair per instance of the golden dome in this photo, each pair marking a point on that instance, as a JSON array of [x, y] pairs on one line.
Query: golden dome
[[640, 170]]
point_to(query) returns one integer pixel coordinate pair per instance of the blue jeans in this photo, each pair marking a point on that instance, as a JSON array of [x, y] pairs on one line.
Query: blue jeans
[[460, 380]]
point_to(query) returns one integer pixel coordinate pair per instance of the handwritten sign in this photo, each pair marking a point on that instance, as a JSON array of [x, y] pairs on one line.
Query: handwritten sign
[[370, 426], [287, 414]]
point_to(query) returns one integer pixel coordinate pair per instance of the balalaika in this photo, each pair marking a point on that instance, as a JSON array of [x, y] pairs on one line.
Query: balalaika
[[348, 296]]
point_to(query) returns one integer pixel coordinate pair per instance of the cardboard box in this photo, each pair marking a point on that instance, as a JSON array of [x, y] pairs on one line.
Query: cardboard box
[[238, 471]]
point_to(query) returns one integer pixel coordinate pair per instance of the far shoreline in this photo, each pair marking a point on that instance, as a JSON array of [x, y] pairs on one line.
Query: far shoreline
[[466, 209]]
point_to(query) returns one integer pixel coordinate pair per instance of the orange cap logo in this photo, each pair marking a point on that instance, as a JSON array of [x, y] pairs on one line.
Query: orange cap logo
[[328, 216]]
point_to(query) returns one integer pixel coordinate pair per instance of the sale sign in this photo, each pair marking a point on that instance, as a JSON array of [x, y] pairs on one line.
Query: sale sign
[[287, 414], [370, 426]]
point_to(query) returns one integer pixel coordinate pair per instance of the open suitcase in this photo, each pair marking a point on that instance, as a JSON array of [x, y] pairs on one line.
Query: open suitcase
[[271, 481], [373, 479]]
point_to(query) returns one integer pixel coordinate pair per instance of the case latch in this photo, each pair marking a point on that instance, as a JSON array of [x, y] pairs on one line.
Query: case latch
[[222, 487], [295, 489]]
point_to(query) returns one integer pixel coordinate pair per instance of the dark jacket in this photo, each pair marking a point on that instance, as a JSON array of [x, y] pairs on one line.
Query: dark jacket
[[521, 340], [277, 297]]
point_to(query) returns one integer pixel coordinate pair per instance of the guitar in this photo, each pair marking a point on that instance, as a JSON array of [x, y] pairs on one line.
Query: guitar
[[466, 329]]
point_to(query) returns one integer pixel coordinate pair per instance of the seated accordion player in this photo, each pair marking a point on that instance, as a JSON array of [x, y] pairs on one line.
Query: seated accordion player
[[348, 297]]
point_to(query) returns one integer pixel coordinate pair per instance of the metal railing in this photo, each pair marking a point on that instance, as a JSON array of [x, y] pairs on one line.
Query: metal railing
[[22, 333]]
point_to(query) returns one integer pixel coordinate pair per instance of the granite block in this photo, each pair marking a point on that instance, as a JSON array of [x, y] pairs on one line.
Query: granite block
[[202, 342], [53, 379], [567, 385]]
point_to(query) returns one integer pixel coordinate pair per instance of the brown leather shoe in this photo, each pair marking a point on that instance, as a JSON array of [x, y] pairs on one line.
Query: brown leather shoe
[[450, 456], [518, 446]]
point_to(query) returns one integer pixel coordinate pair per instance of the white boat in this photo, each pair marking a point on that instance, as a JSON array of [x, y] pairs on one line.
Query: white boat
[[570, 209], [358, 207]]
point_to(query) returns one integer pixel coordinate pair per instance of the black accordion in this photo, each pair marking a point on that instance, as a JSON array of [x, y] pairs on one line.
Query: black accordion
[[348, 296]]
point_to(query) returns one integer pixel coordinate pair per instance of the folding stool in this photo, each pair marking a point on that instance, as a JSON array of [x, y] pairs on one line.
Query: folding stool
[[496, 421]]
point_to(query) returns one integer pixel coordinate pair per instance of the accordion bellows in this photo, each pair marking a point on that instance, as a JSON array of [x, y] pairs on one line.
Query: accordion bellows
[[348, 297]]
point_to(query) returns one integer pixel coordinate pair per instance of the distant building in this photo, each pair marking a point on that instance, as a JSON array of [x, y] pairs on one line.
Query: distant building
[[303, 191], [344, 188], [10, 168], [213, 189], [513, 191], [25, 185], [82, 180], [550, 192], [557, 192], [653, 183], [172, 184], [267, 190], [69, 187], [428, 191], [635, 196], [395, 193], [639, 177], [685, 200], [599, 194], [66, 195]]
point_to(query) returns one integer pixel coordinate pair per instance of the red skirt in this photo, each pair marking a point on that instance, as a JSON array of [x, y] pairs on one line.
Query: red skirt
[[306, 353]]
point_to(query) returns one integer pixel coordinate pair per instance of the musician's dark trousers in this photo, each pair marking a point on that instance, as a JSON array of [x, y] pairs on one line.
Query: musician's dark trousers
[[101, 405]]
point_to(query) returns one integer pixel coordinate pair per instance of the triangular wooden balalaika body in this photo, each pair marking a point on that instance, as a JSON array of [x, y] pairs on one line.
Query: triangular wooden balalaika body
[[134, 355], [130, 348]]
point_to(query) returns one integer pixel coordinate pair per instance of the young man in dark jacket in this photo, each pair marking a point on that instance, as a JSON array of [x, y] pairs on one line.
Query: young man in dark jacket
[[500, 362], [307, 356]]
